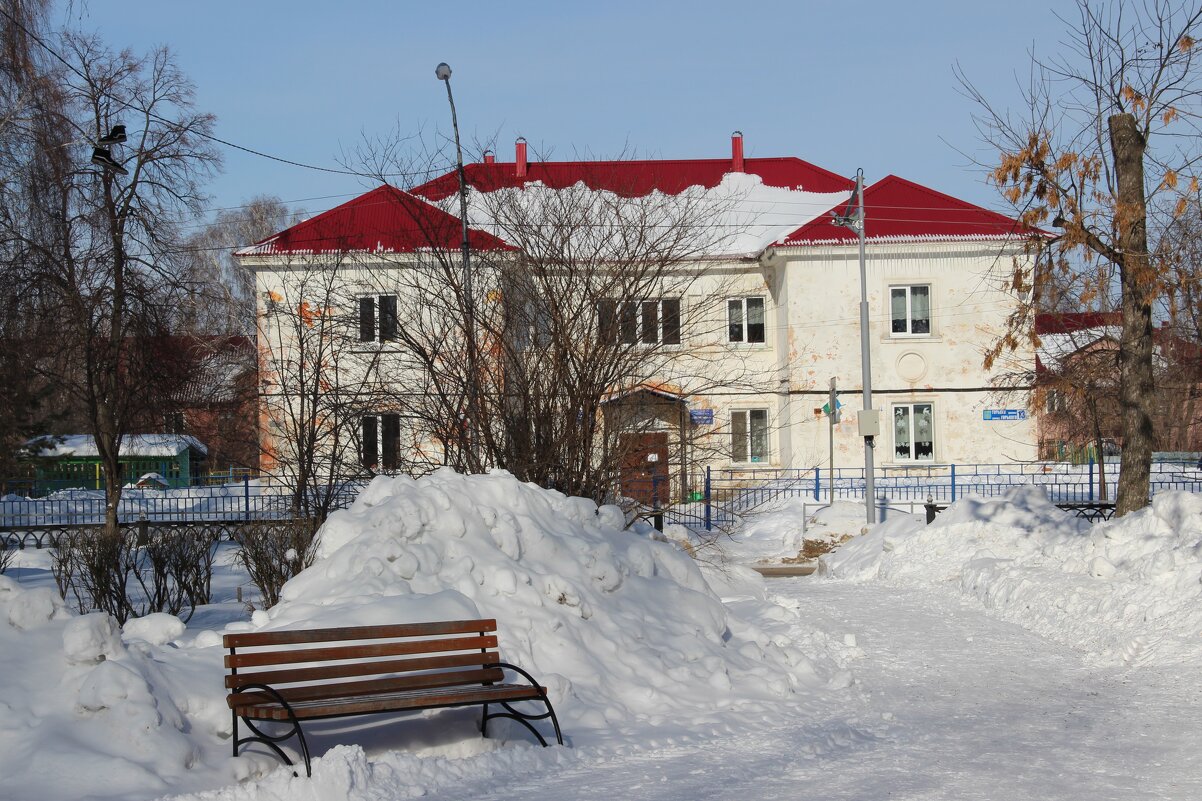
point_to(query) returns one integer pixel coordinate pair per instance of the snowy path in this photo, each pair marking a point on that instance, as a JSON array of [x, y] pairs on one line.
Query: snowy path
[[953, 704]]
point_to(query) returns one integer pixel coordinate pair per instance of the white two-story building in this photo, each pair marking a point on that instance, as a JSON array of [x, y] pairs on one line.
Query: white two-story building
[[774, 307]]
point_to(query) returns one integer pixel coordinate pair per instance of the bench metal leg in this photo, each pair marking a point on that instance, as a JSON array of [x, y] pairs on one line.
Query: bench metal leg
[[271, 740], [522, 717]]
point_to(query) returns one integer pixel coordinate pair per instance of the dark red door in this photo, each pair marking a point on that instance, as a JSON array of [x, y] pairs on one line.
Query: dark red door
[[645, 468]]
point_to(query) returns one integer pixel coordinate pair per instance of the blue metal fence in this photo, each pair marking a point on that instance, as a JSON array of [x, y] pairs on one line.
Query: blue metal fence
[[730, 494]]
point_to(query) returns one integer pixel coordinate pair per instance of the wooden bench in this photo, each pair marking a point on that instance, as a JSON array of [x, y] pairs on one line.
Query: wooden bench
[[349, 672]]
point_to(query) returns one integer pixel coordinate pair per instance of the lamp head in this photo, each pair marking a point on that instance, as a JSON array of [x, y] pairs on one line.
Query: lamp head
[[443, 71]]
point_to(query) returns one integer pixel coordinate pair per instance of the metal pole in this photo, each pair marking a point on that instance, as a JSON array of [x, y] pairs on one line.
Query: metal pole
[[869, 422], [834, 403], [443, 72], [865, 356]]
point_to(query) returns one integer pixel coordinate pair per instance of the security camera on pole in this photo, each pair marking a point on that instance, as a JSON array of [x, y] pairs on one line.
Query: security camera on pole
[[869, 421]]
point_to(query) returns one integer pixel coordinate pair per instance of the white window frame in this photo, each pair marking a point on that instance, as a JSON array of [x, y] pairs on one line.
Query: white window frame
[[909, 412], [742, 431], [744, 321], [909, 290]]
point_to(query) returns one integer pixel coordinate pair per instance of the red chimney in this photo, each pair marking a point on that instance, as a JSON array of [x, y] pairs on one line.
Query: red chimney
[[521, 157], [490, 157], [736, 151]]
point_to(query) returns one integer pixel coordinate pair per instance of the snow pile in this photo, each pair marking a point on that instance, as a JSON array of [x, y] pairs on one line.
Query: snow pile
[[82, 712], [634, 644], [619, 626], [1123, 591], [794, 529]]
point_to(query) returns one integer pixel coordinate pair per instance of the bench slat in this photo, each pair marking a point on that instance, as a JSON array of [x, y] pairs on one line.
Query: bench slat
[[346, 669], [424, 681], [260, 638], [294, 656], [386, 702]]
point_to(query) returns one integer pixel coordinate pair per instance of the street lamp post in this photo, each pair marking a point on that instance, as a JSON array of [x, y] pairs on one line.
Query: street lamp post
[[869, 422], [443, 73]]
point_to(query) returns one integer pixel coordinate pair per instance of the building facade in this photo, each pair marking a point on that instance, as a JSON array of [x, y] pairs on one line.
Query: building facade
[[750, 337]]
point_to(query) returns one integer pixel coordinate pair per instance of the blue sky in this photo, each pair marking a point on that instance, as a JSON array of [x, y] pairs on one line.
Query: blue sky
[[844, 85]]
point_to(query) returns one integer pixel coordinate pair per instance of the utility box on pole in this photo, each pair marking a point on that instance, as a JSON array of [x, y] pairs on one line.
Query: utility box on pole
[[869, 422]]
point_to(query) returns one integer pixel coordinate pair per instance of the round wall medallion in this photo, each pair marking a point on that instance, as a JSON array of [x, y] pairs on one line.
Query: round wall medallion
[[911, 367]]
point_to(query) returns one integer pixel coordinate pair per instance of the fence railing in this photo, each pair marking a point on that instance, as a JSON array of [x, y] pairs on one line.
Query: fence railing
[[701, 499], [720, 497], [243, 500]]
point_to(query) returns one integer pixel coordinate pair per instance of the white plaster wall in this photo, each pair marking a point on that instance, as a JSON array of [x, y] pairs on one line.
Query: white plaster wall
[[812, 334], [968, 312]]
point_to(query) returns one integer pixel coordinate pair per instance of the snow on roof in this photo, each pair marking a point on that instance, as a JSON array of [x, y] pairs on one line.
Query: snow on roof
[[131, 445], [638, 177], [783, 201], [384, 220], [898, 210], [740, 215]]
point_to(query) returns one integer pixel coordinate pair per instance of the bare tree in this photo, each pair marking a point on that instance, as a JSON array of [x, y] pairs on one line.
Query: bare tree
[[569, 345], [219, 293], [318, 381], [95, 243], [1108, 127], [29, 93]]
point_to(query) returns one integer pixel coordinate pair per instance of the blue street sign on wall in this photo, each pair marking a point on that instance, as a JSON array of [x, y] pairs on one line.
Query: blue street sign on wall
[[701, 417], [1004, 414]]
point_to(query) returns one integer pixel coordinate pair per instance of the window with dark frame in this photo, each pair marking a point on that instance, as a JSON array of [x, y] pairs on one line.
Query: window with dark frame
[[745, 320], [380, 434], [381, 309], [640, 322]]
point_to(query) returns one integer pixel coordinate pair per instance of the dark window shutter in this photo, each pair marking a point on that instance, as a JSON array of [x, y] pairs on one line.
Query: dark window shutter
[[370, 454], [390, 426], [650, 322], [388, 319], [367, 319], [628, 323], [670, 308], [607, 320]]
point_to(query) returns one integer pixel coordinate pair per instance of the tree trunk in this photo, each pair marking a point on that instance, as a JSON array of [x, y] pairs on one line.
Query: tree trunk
[[1136, 382], [1100, 449]]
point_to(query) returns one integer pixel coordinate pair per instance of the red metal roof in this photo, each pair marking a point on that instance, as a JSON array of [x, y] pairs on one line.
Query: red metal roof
[[385, 220], [901, 210], [1071, 322], [635, 178]]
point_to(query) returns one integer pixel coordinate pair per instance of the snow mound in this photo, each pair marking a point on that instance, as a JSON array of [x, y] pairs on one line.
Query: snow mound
[[81, 713], [1123, 591], [621, 627], [782, 529]]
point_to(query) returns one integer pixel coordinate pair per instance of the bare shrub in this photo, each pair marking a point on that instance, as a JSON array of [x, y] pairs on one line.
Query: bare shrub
[[139, 570], [274, 551]]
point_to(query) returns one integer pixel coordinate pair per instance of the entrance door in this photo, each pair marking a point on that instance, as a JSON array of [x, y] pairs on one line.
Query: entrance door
[[645, 468]]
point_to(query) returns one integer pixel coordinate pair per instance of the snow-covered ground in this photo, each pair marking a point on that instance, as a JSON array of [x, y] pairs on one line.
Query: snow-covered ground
[[1007, 651]]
